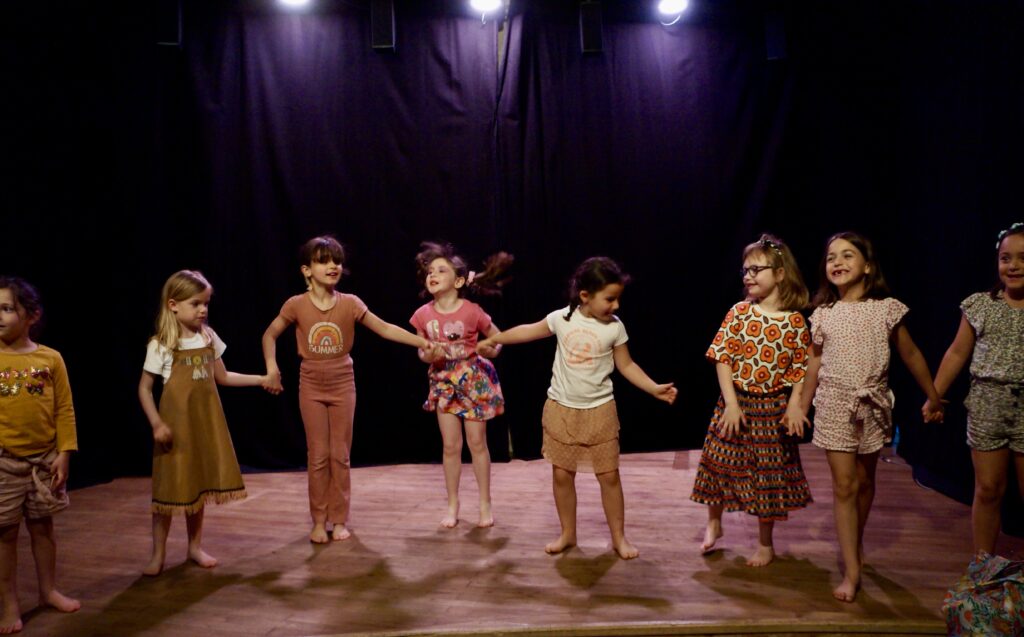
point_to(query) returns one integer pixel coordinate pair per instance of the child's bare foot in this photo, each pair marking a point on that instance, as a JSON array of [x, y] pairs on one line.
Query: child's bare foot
[[10, 621], [626, 550], [202, 558], [486, 517], [449, 521], [340, 532], [155, 566], [562, 543], [847, 591], [763, 556], [319, 534], [711, 536], [60, 601]]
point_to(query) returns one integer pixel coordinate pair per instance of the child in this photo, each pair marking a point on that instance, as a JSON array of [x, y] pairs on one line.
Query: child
[[749, 463], [991, 334], [852, 327], [463, 385], [325, 328], [193, 459], [37, 434], [581, 426]]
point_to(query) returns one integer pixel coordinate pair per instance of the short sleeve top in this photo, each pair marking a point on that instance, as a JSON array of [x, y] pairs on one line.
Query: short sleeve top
[[855, 340], [998, 338], [766, 351], [457, 331], [159, 359], [324, 334], [584, 358]]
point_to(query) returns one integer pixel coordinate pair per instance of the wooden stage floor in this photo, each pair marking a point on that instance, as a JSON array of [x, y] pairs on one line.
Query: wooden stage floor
[[400, 574]]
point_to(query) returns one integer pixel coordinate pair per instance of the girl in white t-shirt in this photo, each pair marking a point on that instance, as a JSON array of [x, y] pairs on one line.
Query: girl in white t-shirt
[[193, 459], [581, 426]]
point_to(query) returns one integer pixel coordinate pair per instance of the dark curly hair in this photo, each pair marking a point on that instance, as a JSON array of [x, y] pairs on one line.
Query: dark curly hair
[[487, 282], [592, 276], [27, 297]]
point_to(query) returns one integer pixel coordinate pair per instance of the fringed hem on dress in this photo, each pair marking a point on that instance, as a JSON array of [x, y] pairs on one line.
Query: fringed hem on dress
[[213, 497]]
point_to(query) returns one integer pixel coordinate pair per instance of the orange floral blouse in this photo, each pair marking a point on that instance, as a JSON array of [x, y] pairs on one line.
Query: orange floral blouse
[[767, 352]]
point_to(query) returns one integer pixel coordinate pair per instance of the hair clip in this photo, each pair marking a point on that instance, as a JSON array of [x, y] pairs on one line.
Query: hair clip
[[768, 243], [1014, 228], [469, 279]]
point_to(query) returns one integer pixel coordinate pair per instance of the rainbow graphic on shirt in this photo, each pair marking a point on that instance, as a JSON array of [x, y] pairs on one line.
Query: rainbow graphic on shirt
[[325, 339]]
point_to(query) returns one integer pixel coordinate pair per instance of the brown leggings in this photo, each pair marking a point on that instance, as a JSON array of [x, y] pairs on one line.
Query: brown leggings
[[327, 401]]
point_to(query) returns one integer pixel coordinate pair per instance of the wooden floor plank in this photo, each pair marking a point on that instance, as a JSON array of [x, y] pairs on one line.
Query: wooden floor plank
[[401, 574]]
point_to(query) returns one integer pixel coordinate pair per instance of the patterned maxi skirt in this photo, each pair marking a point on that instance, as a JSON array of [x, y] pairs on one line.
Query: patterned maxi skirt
[[759, 471]]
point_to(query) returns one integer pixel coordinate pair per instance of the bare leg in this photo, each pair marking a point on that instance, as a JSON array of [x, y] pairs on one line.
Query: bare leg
[[714, 529], [44, 550], [476, 439], [563, 483], [765, 552], [10, 621], [866, 465], [194, 525], [843, 466], [451, 437], [615, 513], [991, 470], [161, 527]]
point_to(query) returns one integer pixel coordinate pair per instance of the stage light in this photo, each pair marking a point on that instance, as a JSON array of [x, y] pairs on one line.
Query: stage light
[[484, 7], [294, 4], [672, 7]]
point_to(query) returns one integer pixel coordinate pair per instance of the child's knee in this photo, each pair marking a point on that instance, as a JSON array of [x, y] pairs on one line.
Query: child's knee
[[609, 478]]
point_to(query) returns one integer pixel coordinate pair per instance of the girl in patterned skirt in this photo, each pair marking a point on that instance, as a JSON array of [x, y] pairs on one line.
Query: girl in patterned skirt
[[581, 424], [852, 328], [463, 384], [991, 335], [750, 462]]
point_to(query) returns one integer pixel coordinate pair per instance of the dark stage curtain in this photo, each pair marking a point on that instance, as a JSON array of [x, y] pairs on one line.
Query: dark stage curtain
[[668, 151]]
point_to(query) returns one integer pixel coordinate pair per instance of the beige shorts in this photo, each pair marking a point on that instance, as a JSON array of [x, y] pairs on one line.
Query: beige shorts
[[25, 488]]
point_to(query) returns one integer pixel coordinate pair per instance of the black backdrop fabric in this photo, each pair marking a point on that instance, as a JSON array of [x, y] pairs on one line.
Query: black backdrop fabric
[[668, 151]]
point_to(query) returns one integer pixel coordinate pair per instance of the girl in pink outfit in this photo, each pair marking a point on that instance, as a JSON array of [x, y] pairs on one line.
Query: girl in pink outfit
[[324, 322], [853, 327], [464, 388]]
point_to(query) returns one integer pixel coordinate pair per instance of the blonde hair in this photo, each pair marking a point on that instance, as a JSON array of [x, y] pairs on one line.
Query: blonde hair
[[793, 294], [181, 285]]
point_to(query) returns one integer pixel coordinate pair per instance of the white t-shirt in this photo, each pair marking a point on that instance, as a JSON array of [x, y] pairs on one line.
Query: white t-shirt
[[159, 359], [581, 374]]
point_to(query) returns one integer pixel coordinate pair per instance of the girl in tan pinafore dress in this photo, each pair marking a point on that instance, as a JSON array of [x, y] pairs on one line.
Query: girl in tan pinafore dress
[[193, 459]]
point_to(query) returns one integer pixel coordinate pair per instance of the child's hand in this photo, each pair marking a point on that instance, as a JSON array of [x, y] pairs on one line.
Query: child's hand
[[433, 352], [272, 382], [795, 420], [487, 343], [488, 350], [933, 411], [59, 470], [666, 392], [732, 419], [162, 434]]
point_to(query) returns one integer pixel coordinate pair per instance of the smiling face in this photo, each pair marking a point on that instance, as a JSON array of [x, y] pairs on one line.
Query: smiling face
[[15, 321], [191, 313], [603, 304], [1011, 265], [441, 278], [846, 267], [325, 274], [759, 278]]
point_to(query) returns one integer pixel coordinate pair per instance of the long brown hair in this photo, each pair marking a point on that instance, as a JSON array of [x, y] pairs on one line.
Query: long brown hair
[[793, 294], [489, 282], [875, 286]]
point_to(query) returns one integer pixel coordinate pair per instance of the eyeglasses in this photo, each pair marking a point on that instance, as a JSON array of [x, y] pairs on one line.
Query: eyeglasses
[[754, 270]]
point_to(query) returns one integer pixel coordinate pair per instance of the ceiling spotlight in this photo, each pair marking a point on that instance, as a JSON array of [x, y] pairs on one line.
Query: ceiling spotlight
[[484, 7], [294, 4], [672, 7]]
